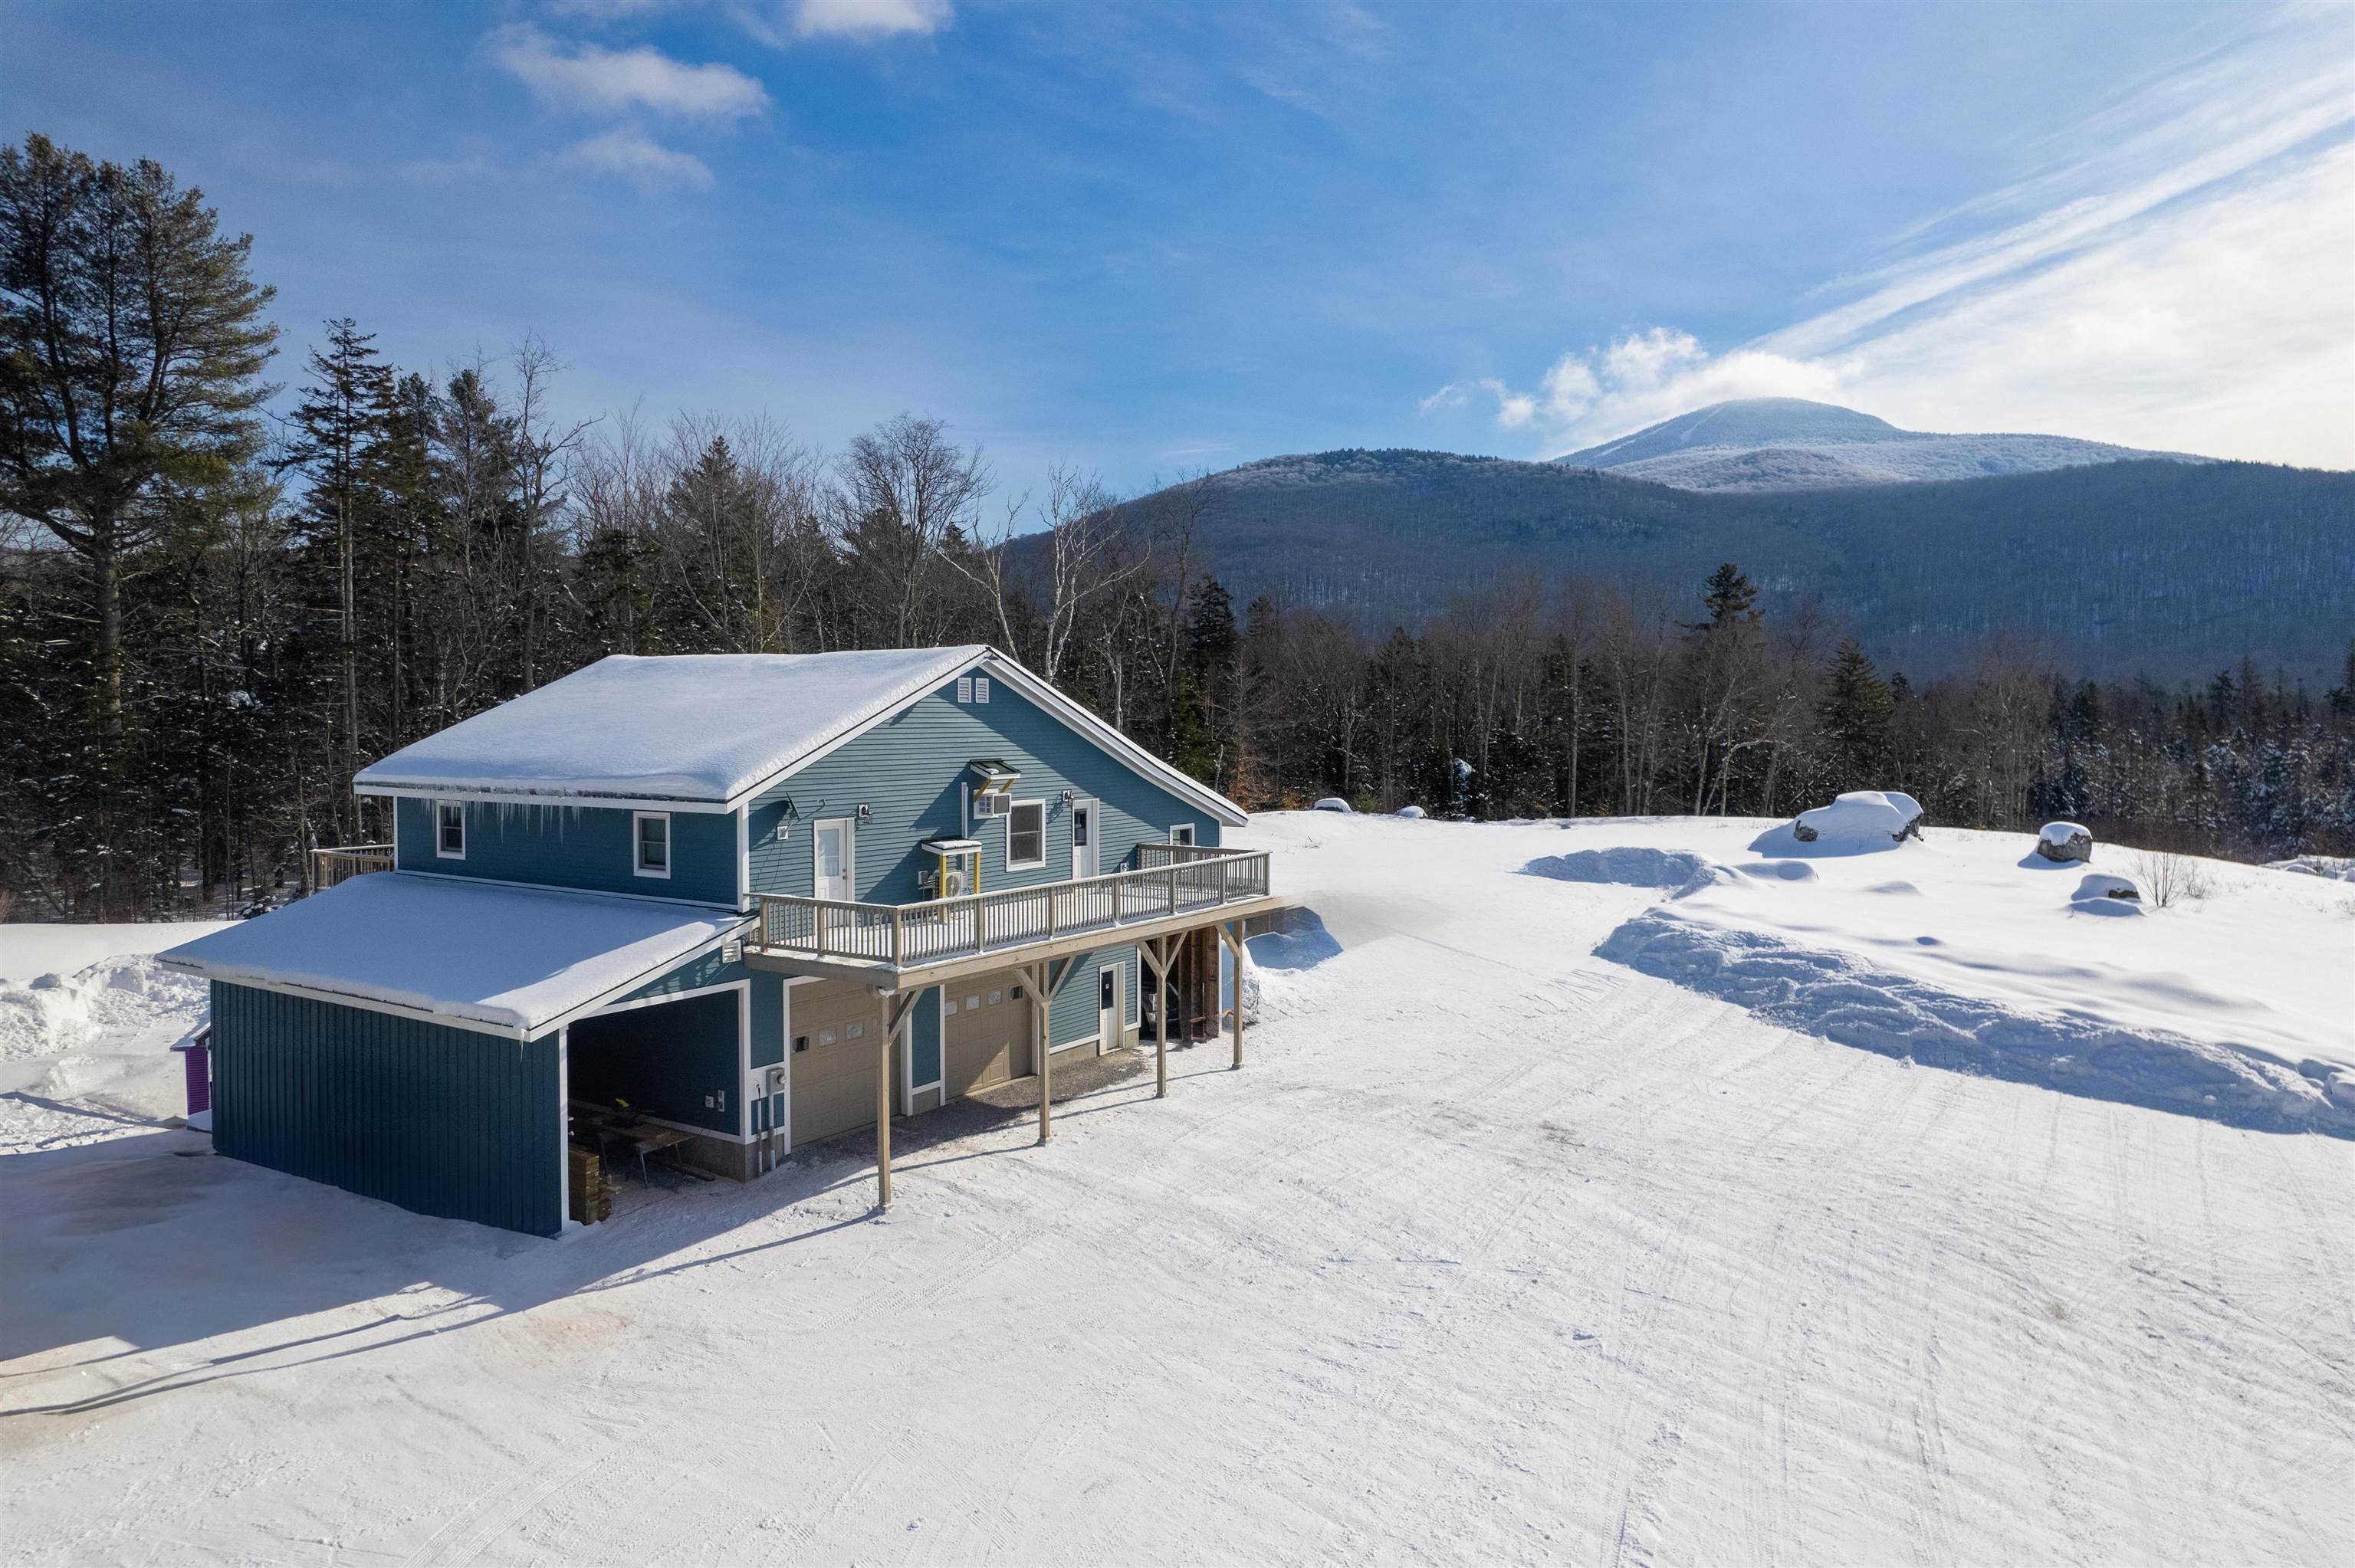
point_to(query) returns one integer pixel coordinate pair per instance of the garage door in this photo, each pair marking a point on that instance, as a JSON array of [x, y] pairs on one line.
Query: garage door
[[988, 1034], [837, 1026]]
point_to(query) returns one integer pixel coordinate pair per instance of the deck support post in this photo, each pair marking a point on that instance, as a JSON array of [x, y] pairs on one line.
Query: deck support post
[[1035, 977], [1155, 951], [899, 1007], [1230, 933]]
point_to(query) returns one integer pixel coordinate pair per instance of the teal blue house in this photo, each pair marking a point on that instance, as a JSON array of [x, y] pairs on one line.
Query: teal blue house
[[739, 902]]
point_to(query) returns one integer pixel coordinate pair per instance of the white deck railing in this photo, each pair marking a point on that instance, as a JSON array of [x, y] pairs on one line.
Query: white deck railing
[[1176, 879]]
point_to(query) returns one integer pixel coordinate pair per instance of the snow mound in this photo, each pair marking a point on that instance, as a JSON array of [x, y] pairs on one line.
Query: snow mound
[[1846, 999], [2099, 892], [131, 994], [1626, 866], [1858, 822], [1411, 813], [1334, 803], [2337, 868]]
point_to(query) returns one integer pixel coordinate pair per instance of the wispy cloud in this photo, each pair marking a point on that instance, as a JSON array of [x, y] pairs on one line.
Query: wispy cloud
[[2182, 280], [638, 157], [780, 22], [592, 78]]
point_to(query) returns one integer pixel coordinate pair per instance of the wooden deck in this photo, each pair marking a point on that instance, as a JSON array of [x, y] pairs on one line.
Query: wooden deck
[[1177, 888]]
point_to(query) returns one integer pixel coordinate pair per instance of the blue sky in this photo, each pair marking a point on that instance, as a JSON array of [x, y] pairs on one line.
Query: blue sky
[[1148, 239]]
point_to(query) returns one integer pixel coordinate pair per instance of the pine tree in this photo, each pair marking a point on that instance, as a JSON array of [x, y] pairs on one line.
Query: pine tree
[[132, 346], [1729, 595], [344, 417], [1856, 712]]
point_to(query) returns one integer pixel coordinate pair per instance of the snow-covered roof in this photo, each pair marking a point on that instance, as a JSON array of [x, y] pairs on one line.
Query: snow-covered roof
[[687, 726], [513, 960], [713, 727]]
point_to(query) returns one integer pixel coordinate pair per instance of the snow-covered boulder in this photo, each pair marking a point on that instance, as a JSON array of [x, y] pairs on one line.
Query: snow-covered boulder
[[2099, 892], [1333, 803], [1411, 813], [1861, 818], [2064, 841]]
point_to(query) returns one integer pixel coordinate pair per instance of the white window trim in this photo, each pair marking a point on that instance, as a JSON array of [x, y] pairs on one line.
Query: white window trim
[[638, 844], [1186, 828], [439, 852], [1011, 863]]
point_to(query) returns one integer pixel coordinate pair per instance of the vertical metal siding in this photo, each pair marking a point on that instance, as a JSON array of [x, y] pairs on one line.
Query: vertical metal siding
[[444, 1121]]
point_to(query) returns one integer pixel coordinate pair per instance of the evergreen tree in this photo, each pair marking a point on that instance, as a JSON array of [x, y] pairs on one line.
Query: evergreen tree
[[1856, 713], [1729, 595], [132, 347], [342, 422]]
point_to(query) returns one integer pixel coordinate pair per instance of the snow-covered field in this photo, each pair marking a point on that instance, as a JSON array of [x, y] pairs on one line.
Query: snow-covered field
[[1496, 1249]]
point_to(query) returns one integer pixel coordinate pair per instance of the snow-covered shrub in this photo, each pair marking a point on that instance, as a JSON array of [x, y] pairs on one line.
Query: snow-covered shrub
[[1411, 813], [2064, 841], [1334, 803]]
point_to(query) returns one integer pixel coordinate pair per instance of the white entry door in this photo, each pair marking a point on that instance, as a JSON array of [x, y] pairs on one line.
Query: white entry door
[[1108, 1008], [1083, 839], [833, 852]]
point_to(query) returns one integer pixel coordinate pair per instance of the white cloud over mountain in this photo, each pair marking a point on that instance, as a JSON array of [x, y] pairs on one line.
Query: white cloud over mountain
[[2185, 284]]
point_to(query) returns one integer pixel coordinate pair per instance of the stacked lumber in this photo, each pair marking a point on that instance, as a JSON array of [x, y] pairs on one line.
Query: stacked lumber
[[592, 1198]]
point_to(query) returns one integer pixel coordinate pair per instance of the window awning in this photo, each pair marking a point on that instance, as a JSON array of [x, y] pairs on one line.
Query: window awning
[[993, 776]]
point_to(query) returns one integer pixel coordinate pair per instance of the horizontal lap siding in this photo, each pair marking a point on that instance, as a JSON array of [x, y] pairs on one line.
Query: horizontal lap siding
[[1074, 1014], [907, 771], [586, 847], [444, 1121]]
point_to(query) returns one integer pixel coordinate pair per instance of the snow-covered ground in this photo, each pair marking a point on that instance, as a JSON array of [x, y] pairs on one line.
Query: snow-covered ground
[[1496, 1249]]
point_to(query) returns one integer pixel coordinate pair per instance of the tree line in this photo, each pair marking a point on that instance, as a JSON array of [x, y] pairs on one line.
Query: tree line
[[211, 617]]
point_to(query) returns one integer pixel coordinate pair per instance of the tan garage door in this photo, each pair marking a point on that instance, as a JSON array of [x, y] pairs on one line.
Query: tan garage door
[[988, 1034], [838, 1027]]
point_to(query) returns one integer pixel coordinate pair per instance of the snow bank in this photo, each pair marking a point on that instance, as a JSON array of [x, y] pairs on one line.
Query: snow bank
[[131, 992], [1846, 999], [2099, 892], [27, 950]]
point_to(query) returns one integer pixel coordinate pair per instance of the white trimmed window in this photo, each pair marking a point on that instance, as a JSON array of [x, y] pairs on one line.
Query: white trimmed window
[[1183, 833], [1026, 835], [651, 848], [450, 830]]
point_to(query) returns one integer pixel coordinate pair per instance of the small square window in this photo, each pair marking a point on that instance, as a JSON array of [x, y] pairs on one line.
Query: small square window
[[994, 998], [980, 688], [972, 1002], [1183, 833], [653, 843], [800, 1043], [948, 1006], [825, 1036], [855, 1032], [1015, 994], [450, 832]]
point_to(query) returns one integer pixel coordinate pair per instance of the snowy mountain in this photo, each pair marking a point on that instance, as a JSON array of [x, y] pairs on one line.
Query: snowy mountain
[[1789, 443], [2173, 569]]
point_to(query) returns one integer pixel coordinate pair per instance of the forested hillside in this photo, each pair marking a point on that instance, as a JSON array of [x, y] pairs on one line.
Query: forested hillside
[[2153, 567], [210, 616]]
